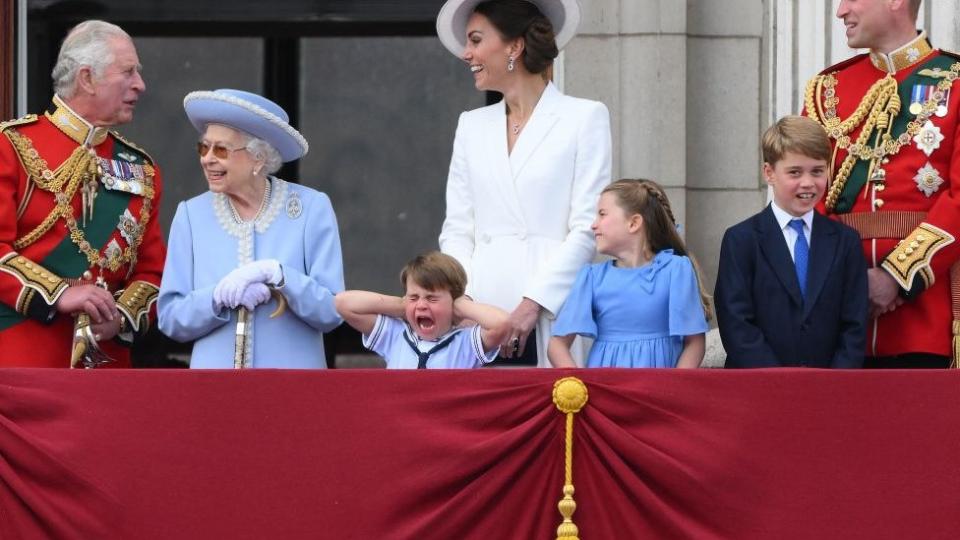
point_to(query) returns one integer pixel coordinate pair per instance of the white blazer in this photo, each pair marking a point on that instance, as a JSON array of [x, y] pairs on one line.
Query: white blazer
[[519, 223]]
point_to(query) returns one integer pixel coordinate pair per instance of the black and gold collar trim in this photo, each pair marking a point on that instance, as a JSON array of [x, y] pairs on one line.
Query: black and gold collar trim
[[73, 125], [904, 57]]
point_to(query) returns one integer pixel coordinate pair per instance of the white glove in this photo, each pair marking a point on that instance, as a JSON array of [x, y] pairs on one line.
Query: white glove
[[254, 295], [229, 291]]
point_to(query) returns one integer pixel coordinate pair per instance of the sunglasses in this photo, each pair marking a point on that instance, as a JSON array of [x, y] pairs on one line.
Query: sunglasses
[[219, 151]]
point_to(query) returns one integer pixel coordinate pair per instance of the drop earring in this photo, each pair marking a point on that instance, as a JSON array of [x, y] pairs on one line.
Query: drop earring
[[510, 65]]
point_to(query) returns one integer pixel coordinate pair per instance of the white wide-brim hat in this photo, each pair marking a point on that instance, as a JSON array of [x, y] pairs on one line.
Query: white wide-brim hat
[[564, 15], [247, 112]]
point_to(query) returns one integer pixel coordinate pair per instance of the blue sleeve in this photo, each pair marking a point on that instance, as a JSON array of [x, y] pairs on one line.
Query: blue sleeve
[[576, 315], [183, 312], [310, 295], [686, 309]]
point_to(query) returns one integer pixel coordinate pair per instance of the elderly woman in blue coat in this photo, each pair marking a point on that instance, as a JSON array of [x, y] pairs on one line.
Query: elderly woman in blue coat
[[250, 237]]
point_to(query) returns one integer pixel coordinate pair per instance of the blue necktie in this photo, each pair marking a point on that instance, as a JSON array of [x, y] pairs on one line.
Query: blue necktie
[[801, 255]]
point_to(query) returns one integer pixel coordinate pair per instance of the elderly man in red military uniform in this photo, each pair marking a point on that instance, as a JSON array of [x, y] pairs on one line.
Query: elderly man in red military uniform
[[892, 114], [80, 247]]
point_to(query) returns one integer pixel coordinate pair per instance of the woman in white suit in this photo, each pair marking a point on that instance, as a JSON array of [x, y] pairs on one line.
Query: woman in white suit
[[526, 172]]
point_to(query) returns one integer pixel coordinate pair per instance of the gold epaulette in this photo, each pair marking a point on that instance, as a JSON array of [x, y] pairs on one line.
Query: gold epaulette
[[34, 279], [134, 146], [914, 253], [135, 301], [23, 120]]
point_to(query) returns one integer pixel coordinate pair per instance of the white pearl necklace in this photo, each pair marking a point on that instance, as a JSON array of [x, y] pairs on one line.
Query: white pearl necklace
[[263, 204], [273, 199]]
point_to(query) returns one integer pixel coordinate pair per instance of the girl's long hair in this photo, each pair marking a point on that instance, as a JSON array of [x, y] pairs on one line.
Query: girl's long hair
[[647, 198]]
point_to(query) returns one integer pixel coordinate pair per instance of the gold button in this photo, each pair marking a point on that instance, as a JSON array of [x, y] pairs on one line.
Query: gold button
[[44, 275], [52, 279], [908, 251], [914, 245], [921, 238], [901, 257], [878, 203], [87, 275]]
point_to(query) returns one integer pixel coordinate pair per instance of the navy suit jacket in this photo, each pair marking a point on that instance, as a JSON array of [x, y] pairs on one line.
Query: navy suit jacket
[[765, 322]]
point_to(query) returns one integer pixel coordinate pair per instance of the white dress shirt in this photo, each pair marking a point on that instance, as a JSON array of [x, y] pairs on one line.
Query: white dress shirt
[[790, 235]]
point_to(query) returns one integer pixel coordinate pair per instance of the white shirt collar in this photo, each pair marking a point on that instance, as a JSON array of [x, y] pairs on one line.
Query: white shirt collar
[[783, 217]]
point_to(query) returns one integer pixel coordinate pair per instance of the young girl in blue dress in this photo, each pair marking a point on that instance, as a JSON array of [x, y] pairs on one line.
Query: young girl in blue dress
[[644, 308]]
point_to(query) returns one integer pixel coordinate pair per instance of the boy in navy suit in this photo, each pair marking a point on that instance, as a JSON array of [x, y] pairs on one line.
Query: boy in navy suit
[[792, 284]]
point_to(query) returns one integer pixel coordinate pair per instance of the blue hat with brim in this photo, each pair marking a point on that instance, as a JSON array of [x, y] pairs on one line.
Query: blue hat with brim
[[247, 112]]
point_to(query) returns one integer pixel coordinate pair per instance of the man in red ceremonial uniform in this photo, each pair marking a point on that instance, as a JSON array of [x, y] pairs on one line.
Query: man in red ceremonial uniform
[[892, 114], [78, 212]]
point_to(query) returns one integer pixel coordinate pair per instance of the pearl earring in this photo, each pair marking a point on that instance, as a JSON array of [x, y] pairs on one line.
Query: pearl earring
[[510, 65]]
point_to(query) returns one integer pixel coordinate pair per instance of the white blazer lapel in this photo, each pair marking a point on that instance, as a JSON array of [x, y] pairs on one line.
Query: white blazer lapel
[[495, 137], [541, 122]]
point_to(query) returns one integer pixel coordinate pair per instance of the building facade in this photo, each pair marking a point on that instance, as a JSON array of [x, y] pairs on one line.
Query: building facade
[[690, 85]]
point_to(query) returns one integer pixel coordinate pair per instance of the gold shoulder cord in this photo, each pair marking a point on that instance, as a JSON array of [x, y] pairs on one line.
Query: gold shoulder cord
[[77, 169], [877, 110], [64, 182]]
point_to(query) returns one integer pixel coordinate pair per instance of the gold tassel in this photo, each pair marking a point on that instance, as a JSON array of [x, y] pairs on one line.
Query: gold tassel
[[569, 395]]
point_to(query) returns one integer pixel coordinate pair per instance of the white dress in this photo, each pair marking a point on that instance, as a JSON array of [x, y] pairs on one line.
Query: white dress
[[519, 223]]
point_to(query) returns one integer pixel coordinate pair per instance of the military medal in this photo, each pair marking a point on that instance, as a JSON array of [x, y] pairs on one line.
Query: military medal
[[113, 251], [123, 176], [128, 227], [928, 179], [942, 104], [917, 97], [928, 138]]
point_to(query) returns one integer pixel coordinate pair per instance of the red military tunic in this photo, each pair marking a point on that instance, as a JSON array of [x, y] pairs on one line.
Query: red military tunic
[[899, 186], [46, 241]]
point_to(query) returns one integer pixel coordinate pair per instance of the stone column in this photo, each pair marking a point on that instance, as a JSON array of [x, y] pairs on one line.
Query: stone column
[[682, 81], [631, 55], [723, 122]]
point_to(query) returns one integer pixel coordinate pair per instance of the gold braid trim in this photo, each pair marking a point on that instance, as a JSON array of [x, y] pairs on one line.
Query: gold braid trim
[[878, 108], [914, 253], [135, 301], [34, 277], [828, 119], [81, 163], [79, 168], [24, 298], [27, 119], [75, 170]]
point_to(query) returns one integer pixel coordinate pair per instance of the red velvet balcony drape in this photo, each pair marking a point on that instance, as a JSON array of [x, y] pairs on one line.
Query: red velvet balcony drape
[[478, 454]]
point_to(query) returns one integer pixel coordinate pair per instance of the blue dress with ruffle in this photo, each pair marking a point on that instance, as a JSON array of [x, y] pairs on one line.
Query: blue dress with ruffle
[[638, 317]]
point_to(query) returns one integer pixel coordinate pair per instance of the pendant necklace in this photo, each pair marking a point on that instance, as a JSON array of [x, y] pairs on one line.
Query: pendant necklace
[[515, 127]]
